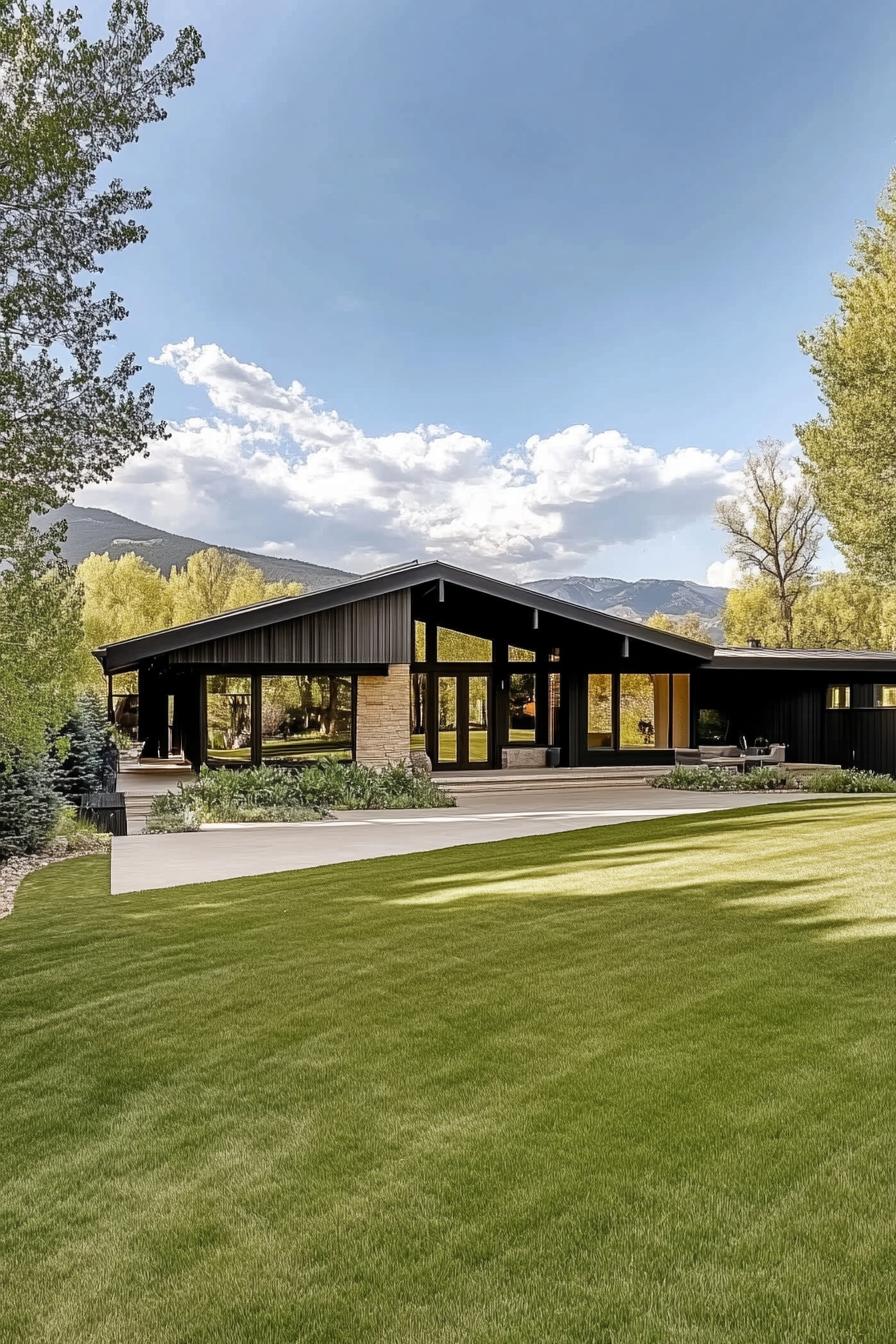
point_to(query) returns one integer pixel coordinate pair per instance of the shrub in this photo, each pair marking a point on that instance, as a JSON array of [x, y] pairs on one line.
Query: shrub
[[709, 779], [90, 763], [29, 805], [79, 835], [848, 781], [272, 793], [172, 812]]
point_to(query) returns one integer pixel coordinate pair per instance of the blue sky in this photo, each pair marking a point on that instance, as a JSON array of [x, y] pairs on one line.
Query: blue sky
[[509, 219]]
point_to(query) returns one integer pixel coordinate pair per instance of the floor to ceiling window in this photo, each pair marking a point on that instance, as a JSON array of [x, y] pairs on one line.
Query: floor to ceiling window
[[304, 718], [447, 720], [643, 710], [228, 719], [600, 711], [652, 711], [295, 718], [419, 684], [555, 735], [521, 708]]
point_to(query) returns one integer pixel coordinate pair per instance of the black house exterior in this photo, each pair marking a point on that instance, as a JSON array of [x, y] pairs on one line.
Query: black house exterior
[[479, 673]]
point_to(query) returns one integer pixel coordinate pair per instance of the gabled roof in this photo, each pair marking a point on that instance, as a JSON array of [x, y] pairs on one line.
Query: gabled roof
[[129, 651]]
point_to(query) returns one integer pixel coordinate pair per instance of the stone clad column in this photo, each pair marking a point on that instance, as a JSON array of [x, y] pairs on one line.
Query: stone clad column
[[383, 717]]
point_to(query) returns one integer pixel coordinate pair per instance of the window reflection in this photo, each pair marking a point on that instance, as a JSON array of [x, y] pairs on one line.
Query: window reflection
[[452, 646], [228, 718], [418, 711], [304, 718], [600, 711], [522, 707], [643, 709]]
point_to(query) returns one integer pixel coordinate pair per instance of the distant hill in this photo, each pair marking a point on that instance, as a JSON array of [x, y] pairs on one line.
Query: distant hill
[[637, 599], [100, 531]]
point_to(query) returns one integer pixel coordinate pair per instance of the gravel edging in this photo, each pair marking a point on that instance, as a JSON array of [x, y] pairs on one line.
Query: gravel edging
[[14, 871]]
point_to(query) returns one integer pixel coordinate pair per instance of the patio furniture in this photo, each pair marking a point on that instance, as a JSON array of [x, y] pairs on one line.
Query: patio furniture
[[774, 756], [720, 758]]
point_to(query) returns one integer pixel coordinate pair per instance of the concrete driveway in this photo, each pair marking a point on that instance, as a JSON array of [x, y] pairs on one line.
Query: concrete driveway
[[146, 862]]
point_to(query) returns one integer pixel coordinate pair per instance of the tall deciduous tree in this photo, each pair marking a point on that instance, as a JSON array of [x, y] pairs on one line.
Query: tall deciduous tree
[[774, 528], [127, 596], [41, 650], [838, 611], [67, 106], [123, 598], [851, 447], [689, 626], [213, 581]]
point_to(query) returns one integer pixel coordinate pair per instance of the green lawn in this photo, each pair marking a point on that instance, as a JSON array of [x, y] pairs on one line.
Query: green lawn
[[629, 1084]]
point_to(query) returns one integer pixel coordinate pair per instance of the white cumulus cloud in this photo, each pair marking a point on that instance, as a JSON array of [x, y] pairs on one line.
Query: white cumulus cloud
[[724, 573], [270, 468]]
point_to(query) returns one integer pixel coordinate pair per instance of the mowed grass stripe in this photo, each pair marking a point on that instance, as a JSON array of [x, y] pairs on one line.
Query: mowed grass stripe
[[632, 1083]]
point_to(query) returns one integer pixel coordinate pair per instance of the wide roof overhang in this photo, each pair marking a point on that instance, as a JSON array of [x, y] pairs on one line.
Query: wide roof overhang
[[129, 653]]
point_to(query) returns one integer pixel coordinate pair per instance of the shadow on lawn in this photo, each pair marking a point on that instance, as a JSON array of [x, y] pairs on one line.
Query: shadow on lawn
[[598, 867]]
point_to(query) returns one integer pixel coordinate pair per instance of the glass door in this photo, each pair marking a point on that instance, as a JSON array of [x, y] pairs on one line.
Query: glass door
[[446, 722], [477, 716], [463, 722]]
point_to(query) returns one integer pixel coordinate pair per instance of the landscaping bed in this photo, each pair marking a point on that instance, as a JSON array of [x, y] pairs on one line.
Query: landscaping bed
[[763, 779], [278, 794]]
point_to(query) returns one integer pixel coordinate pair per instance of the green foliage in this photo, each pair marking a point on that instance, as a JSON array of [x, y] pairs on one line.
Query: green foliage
[[79, 835], [689, 626], [851, 447], [710, 779], [271, 793], [774, 529], [68, 107], [90, 763], [848, 781], [170, 812], [29, 805], [752, 612], [213, 581], [126, 596], [41, 652], [836, 611]]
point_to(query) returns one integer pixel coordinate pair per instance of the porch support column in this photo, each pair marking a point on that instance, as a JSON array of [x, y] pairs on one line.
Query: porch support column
[[383, 717], [152, 713]]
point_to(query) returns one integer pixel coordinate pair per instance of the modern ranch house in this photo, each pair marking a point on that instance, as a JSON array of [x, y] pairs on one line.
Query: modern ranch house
[[481, 674]]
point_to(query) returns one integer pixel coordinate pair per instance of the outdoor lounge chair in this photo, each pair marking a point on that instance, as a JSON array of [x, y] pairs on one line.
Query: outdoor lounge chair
[[721, 758]]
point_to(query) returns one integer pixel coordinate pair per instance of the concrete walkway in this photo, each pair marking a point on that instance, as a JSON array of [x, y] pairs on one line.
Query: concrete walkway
[[145, 862]]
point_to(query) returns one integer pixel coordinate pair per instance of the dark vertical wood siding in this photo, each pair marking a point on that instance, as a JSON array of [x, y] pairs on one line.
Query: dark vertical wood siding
[[377, 630], [789, 707]]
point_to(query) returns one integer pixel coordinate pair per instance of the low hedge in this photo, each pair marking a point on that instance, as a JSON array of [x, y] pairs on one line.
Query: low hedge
[[848, 781], [271, 793], [709, 779], [765, 778]]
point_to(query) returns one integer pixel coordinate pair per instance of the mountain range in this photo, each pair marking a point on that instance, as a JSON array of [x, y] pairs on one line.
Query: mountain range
[[637, 599], [99, 530]]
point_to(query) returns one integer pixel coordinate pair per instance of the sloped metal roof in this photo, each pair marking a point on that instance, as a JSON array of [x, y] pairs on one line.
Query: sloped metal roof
[[413, 575]]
